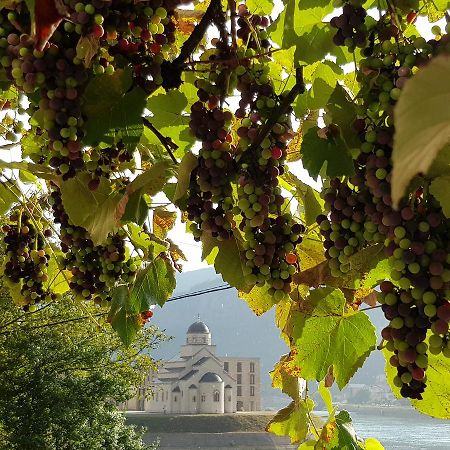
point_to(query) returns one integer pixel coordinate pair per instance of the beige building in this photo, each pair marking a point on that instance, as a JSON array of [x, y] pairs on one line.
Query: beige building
[[199, 381]]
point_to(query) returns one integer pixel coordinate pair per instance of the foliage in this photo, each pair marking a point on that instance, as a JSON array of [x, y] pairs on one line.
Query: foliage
[[61, 379], [132, 123]]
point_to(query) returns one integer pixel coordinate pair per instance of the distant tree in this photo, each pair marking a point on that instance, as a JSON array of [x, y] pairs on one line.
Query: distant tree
[[62, 376]]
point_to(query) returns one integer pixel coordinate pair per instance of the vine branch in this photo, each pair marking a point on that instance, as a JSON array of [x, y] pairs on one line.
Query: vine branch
[[168, 144], [298, 88], [171, 71]]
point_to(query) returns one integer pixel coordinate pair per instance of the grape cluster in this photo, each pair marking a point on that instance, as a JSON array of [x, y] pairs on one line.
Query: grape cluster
[[269, 229], [415, 300], [99, 37], [27, 257], [95, 269], [210, 200], [351, 26]]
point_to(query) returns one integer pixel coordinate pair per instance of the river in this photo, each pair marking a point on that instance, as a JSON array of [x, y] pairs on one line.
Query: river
[[400, 431]]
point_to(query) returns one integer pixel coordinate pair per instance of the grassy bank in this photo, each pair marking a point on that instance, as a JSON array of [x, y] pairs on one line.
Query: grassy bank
[[200, 423]]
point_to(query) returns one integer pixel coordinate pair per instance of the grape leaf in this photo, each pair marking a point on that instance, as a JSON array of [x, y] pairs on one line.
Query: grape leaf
[[436, 398], [93, 210], [440, 188], [154, 285], [8, 196], [367, 268], [292, 421], [57, 279], [147, 242], [342, 112], [300, 25], [163, 221], [422, 123], [123, 317], [331, 335], [187, 165], [331, 153], [283, 380], [258, 299], [170, 119], [226, 257], [153, 179], [323, 84], [441, 164], [261, 7], [113, 111], [136, 209], [338, 433]]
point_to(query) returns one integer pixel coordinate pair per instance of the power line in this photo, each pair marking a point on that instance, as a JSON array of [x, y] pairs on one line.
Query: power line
[[222, 287]]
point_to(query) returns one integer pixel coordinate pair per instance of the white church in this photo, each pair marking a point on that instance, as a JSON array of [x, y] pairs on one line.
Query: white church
[[199, 381]]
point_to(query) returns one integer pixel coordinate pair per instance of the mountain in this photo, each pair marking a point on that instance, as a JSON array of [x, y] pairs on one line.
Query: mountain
[[236, 330]]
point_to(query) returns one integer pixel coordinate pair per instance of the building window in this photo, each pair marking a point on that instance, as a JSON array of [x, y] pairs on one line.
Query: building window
[[239, 367], [252, 367], [194, 399], [225, 366], [239, 378], [229, 398], [240, 406], [252, 406], [175, 398], [216, 396], [252, 391], [157, 396], [239, 391], [252, 379], [203, 398]]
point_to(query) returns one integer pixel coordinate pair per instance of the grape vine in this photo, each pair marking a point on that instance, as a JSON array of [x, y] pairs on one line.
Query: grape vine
[[121, 116]]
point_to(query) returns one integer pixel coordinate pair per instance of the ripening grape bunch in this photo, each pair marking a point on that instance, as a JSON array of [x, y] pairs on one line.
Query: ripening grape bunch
[[235, 185], [91, 39], [415, 300], [27, 257], [95, 269]]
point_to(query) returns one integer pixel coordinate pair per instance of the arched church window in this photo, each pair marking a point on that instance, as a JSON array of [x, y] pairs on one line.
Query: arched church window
[[216, 396], [203, 397]]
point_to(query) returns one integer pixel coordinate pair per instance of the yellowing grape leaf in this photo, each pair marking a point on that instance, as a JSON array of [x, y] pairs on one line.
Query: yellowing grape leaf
[[187, 165], [338, 434], [283, 380], [292, 421], [331, 335], [258, 299], [163, 221], [422, 123]]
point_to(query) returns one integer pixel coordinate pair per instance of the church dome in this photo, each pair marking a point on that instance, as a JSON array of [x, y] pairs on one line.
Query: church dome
[[198, 327], [210, 377]]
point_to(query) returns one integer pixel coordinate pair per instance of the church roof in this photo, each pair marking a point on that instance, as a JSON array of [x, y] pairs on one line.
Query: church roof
[[177, 389], [228, 386], [201, 360], [189, 375], [192, 386], [198, 327], [210, 377]]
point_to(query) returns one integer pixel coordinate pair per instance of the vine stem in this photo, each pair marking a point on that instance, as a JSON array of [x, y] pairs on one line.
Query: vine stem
[[171, 71], [168, 144], [298, 88], [233, 15]]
